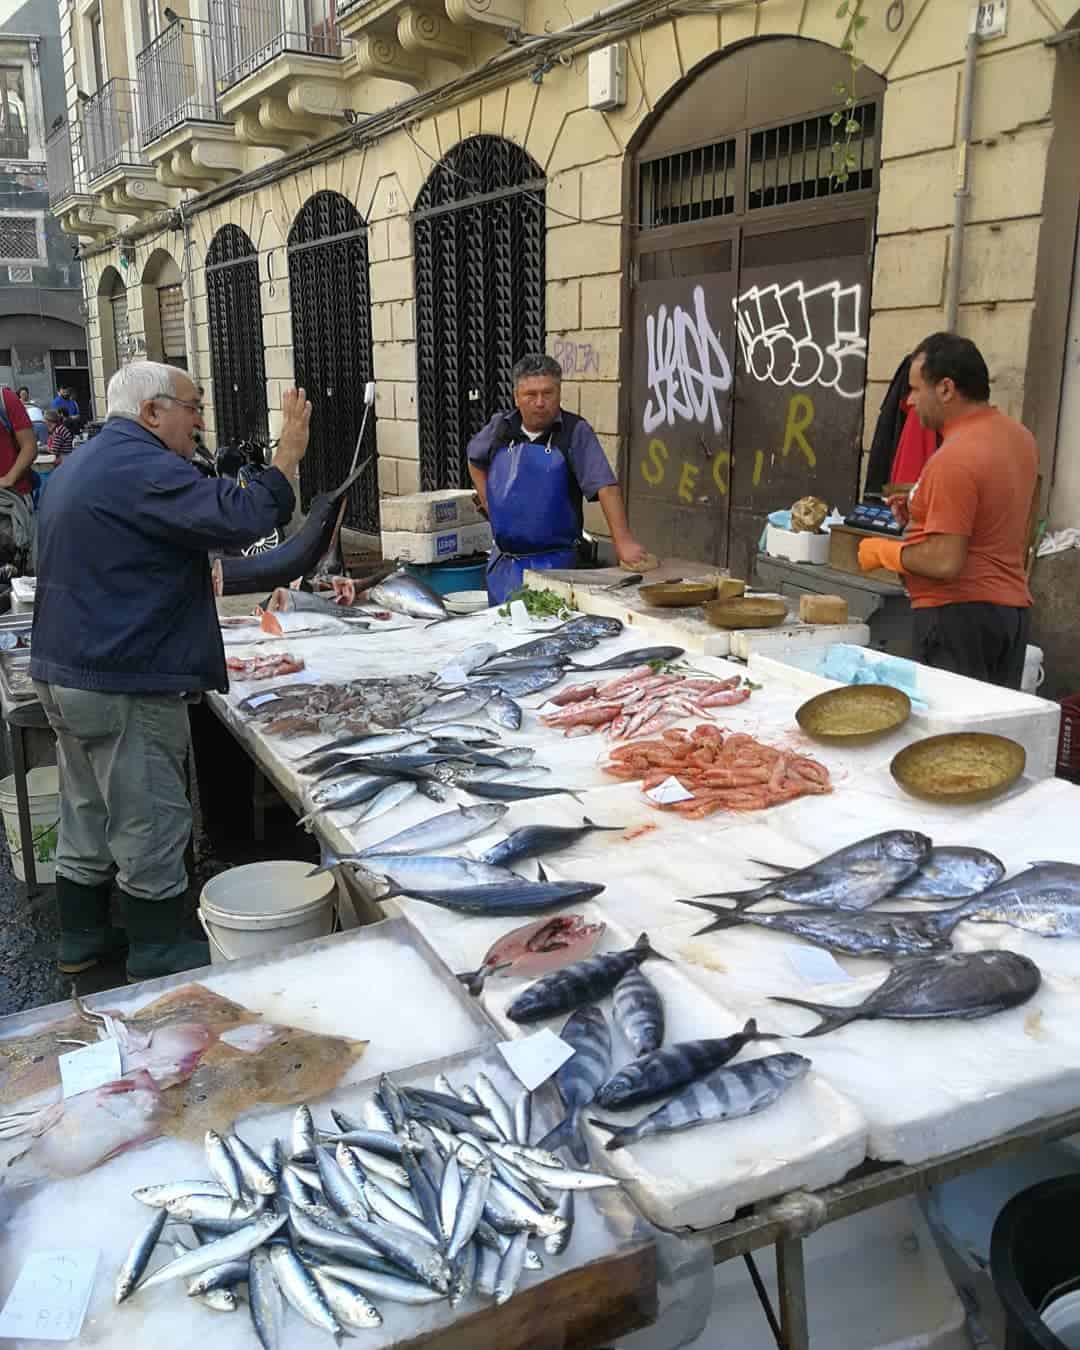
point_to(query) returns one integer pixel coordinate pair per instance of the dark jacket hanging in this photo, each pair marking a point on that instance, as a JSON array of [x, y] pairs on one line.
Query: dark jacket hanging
[[890, 423]]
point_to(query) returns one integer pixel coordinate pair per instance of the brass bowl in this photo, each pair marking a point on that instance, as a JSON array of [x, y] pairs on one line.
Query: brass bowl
[[964, 767], [748, 611], [855, 715], [678, 594]]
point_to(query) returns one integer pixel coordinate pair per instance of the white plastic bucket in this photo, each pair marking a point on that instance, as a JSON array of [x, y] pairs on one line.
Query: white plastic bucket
[[262, 906], [1033, 670], [43, 788], [1062, 1317]]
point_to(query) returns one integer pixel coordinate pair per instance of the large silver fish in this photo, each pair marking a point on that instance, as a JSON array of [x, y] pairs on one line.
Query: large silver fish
[[851, 878], [402, 593], [442, 831], [1044, 899], [854, 933], [498, 899], [951, 873], [953, 985], [726, 1094], [652, 1076]]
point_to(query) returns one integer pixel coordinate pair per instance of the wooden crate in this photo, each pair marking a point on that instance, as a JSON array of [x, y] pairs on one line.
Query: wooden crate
[[589, 1306], [844, 544]]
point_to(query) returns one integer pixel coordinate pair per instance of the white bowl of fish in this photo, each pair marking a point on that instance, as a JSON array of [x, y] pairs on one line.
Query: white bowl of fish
[[465, 602]]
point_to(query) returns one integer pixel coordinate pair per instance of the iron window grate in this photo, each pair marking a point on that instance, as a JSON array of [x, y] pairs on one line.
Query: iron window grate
[[797, 162], [236, 338], [690, 185], [19, 237]]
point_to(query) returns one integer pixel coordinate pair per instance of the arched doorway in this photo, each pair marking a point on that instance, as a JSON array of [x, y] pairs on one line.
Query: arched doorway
[[236, 338], [749, 297], [113, 322], [163, 310], [331, 323], [478, 229]]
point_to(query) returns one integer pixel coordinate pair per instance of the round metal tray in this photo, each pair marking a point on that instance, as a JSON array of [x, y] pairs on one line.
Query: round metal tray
[[746, 612], [855, 715], [964, 767], [677, 594]]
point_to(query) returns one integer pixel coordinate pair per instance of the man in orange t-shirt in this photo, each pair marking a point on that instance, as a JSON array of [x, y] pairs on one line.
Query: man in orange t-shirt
[[962, 555]]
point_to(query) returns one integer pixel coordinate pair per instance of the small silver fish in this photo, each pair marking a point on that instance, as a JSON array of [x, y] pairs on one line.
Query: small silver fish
[[511, 1267], [264, 1297], [346, 1301], [228, 1248], [301, 1292], [137, 1259]]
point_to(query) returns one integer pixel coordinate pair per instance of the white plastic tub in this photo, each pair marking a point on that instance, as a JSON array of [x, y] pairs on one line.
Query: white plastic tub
[[797, 545], [250, 910], [953, 703], [43, 787]]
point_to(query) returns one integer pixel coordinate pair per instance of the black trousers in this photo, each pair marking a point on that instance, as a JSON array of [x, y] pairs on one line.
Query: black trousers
[[985, 642]]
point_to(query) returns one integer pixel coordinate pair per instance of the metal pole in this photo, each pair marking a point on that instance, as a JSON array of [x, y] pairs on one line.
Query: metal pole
[[962, 195], [791, 1277]]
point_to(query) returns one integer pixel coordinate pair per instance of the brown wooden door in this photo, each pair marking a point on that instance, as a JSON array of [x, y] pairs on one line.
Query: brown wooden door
[[680, 402], [803, 309]]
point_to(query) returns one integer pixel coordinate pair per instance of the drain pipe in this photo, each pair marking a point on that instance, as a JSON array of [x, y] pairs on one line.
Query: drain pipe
[[189, 300], [962, 195]]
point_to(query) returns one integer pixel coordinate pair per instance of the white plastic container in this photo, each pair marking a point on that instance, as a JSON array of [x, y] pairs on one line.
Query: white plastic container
[[954, 703], [1062, 1317], [439, 546], [1033, 670], [257, 908], [797, 545], [23, 591], [43, 787], [873, 1282], [429, 512]]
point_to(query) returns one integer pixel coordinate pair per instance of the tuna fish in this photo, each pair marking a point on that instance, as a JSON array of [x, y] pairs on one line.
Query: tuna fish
[[579, 1079], [584, 982]]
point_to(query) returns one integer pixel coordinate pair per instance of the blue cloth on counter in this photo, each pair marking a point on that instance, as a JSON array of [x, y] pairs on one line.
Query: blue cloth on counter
[[850, 665]]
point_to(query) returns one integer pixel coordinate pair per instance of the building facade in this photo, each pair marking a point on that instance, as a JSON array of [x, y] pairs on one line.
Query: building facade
[[729, 221], [42, 325]]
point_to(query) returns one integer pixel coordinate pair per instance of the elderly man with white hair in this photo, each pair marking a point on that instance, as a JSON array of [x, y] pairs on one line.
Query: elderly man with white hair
[[125, 635]]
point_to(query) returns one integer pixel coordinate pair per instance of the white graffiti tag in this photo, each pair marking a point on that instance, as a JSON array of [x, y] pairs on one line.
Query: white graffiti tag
[[688, 367], [792, 335]]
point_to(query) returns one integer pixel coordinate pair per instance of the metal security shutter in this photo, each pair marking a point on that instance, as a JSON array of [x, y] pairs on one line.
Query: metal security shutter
[[749, 299], [236, 337], [331, 323], [121, 331], [173, 340], [479, 241]]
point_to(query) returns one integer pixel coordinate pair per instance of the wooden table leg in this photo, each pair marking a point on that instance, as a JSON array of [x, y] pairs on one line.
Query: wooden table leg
[[17, 735], [791, 1278]]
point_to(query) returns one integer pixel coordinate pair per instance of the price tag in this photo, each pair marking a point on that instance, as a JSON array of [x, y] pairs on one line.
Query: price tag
[[262, 698], [91, 1067], [817, 965], [534, 1059], [670, 790], [51, 1295]]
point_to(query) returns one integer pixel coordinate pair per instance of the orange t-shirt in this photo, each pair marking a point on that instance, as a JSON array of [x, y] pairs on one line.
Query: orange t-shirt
[[979, 484]]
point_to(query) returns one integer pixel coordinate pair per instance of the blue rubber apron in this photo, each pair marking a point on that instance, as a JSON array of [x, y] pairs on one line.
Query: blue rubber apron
[[531, 505]]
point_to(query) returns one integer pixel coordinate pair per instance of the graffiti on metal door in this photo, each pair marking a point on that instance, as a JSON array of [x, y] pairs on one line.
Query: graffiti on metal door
[[688, 367], [794, 335]]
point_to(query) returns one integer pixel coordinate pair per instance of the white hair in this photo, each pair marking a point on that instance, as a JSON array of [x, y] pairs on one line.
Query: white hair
[[135, 383]]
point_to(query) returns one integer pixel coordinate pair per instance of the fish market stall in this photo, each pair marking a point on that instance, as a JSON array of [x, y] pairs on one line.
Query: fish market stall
[[619, 785]]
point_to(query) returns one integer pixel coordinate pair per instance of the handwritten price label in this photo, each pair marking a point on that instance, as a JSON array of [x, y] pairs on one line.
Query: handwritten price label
[[51, 1295]]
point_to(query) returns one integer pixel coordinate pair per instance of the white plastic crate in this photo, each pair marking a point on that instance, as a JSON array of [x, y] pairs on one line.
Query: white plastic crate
[[23, 591], [429, 512], [954, 703], [796, 637], [873, 1282], [439, 546], [797, 545]]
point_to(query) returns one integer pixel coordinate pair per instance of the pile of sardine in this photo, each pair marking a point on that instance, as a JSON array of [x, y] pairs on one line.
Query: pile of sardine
[[435, 1194], [832, 897]]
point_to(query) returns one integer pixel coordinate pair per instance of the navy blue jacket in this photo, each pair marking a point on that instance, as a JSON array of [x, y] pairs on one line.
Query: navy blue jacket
[[124, 600]]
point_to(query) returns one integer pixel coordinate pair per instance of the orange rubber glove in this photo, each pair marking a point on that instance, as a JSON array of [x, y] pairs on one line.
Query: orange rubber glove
[[885, 553]]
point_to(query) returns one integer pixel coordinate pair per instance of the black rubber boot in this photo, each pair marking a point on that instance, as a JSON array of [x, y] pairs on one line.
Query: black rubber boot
[[86, 935], [157, 945]]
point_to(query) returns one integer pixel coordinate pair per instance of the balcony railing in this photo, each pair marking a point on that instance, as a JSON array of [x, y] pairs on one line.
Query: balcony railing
[[111, 129], [177, 81], [14, 145], [250, 33], [61, 169]]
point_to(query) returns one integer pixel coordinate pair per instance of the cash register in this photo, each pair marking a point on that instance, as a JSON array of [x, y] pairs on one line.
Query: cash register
[[876, 517]]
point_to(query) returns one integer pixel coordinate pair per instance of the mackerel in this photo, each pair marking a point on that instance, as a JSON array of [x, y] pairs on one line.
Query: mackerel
[[638, 1012], [655, 1075], [582, 982], [438, 832], [579, 1079]]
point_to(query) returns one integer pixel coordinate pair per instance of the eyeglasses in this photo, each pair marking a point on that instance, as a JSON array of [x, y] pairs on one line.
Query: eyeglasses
[[184, 403]]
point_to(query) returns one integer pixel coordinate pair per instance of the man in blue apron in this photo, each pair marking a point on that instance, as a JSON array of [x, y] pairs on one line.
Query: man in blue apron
[[531, 468]]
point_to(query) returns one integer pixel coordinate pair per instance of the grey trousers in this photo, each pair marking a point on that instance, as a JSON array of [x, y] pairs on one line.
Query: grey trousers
[[124, 809]]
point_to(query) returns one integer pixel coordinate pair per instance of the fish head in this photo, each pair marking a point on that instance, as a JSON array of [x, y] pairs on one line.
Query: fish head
[[906, 845], [791, 1066]]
